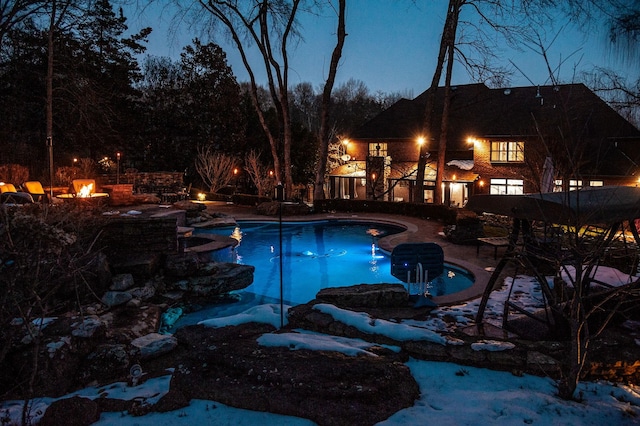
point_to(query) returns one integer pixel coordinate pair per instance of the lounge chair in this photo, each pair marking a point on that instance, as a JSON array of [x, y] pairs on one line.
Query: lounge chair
[[15, 198], [35, 189], [7, 187]]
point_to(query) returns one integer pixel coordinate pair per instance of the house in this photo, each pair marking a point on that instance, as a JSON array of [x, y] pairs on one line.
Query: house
[[499, 141]]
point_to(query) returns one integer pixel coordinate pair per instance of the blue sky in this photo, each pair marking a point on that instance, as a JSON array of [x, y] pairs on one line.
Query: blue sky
[[391, 46]]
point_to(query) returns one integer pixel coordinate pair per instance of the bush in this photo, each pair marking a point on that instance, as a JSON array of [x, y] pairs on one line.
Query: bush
[[47, 261], [14, 173], [423, 211]]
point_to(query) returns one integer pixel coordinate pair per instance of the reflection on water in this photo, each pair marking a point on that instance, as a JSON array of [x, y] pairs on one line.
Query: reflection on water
[[317, 255]]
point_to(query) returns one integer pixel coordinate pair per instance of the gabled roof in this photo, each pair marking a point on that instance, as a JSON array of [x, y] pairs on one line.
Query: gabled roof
[[521, 112]]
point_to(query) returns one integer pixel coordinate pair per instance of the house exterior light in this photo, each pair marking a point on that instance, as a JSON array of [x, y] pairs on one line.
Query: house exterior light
[[202, 196]]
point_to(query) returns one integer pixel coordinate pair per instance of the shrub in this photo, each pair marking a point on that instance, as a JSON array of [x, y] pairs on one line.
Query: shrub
[[14, 173], [423, 211], [47, 263]]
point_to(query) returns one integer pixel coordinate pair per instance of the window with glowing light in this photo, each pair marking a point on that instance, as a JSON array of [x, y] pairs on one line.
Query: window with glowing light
[[378, 149], [575, 184], [596, 183], [507, 152], [506, 187]]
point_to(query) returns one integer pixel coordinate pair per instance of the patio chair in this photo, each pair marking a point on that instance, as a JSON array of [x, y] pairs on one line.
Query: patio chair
[[15, 198], [35, 189], [7, 187]]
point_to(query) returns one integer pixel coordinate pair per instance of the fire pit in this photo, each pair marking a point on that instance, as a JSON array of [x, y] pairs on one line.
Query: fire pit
[[83, 188]]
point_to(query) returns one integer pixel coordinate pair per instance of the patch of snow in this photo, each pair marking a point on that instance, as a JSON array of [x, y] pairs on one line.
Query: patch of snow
[[266, 314], [86, 328], [461, 164], [52, 347], [302, 339], [492, 346], [612, 276], [365, 323]]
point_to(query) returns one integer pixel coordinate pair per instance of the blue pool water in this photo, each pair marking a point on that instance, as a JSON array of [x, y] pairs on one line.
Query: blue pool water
[[317, 255]]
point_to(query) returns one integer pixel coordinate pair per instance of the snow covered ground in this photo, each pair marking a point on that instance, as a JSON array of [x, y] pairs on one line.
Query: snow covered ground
[[450, 394]]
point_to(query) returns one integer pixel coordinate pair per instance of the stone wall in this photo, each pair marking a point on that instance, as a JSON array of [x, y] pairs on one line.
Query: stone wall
[[147, 182], [124, 237], [120, 195]]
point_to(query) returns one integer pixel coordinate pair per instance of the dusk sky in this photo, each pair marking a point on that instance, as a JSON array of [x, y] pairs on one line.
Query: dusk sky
[[392, 46]]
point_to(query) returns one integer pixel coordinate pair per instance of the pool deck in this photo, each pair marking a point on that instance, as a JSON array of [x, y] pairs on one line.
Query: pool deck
[[417, 230]]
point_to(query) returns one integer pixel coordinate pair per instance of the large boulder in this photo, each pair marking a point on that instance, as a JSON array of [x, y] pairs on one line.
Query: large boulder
[[214, 279], [154, 345], [74, 411], [327, 387], [366, 295]]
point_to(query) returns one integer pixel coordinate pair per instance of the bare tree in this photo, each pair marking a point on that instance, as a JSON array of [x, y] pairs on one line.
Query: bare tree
[[447, 42], [215, 169], [259, 173], [323, 136], [269, 26], [14, 12]]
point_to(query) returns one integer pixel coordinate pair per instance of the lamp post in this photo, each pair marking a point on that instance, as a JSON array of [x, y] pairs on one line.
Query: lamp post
[[280, 198], [418, 195], [235, 179], [117, 168]]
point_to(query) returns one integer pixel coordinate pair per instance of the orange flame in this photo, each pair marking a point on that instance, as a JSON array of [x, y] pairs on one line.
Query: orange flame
[[85, 191]]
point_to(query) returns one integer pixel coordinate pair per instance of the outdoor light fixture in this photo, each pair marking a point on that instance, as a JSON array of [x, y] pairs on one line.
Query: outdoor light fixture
[[420, 140], [117, 168], [202, 196], [346, 145]]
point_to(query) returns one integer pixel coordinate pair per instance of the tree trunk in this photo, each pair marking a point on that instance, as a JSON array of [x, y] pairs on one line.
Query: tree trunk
[[52, 23], [323, 135], [444, 125], [427, 126]]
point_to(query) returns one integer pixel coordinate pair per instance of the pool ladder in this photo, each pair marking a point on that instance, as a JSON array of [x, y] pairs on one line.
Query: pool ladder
[[421, 284]]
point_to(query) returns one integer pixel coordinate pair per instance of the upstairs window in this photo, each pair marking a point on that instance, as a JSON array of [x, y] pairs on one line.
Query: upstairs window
[[507, 152], [378, 149]]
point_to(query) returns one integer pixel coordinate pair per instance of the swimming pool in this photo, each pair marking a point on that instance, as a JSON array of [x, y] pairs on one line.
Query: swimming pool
[[317, 255]]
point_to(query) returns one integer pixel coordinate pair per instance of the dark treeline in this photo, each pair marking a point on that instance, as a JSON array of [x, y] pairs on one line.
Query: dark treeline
[[109, 97]]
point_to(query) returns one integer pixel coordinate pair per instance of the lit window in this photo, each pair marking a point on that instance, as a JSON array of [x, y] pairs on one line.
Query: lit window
[[378, 149], [507, 152], [506, 187], [596, 183], [557, 185], [574, 184]]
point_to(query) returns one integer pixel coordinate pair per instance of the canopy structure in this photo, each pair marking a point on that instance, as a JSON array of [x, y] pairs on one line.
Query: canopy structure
[[602, 210], [593, 205]]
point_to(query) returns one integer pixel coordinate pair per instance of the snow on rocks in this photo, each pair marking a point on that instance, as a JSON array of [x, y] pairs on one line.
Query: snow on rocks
[[154, 344]]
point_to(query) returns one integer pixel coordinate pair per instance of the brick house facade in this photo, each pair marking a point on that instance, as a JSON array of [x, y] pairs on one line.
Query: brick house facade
[[500, 141]]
